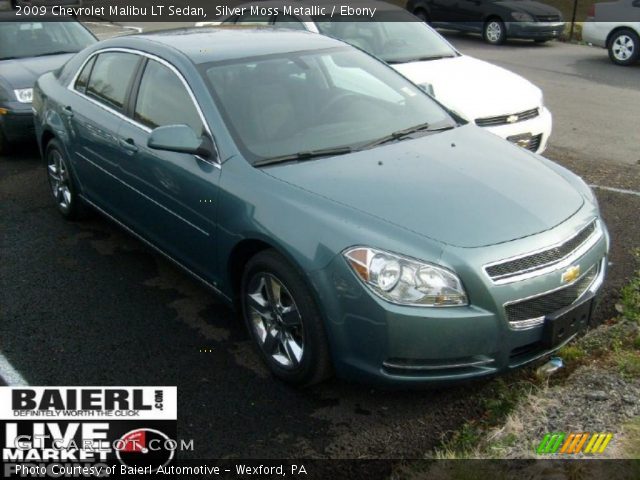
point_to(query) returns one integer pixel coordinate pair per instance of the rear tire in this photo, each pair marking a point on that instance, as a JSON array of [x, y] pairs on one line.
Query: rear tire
[[624, 47], [62, 183], [494, 31], [283, 320]]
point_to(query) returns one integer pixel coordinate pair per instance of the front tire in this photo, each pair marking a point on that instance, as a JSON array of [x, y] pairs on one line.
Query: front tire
[[62, 184], [494, 31], [624, 47], [283, 320]]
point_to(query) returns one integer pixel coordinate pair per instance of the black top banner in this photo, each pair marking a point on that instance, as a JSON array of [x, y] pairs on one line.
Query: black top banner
[[532, 13]]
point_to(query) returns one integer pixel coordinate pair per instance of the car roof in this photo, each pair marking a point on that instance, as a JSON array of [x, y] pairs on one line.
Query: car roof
[[211, 44]]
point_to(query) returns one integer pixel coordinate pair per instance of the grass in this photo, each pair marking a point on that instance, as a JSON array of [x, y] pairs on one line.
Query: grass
[[630, 441]]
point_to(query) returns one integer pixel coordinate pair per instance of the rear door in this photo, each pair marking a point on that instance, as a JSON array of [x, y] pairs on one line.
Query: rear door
[[172, 197]]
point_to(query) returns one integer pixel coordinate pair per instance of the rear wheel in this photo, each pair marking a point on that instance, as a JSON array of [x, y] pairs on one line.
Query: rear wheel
[[62, 184], [624, 47], [284, 321], [494, 31]]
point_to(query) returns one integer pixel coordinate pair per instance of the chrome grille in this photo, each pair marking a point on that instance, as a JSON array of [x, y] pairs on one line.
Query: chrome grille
[[548, 303], [534, 261], [507, 119], [548, 18]]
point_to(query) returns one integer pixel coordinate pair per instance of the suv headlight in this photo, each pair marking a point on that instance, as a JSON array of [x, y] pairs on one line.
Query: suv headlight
[[404, 280], [24, 95]]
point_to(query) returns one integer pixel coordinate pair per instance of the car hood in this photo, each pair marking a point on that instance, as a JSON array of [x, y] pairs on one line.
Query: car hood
[[23, 72], [529, 6], [463, 187], [473, 88]]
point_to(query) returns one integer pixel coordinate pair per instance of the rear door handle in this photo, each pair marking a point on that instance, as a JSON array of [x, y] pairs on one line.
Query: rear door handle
[[129, 145], [68, 111]]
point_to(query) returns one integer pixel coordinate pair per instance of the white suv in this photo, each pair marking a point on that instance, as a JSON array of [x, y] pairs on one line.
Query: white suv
[[604, 28]]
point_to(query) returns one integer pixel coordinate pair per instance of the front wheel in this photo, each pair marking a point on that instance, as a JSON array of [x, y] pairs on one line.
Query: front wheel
[[494, 32], [284, 321], [624, 47], [61, 182]]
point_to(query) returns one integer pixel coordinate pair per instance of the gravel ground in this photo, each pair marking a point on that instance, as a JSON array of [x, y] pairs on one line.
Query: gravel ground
[[596, 397]]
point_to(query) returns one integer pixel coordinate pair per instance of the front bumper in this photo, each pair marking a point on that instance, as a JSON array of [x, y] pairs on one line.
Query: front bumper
[[378, 342], [536, 130], [17, 124], [535, 30]]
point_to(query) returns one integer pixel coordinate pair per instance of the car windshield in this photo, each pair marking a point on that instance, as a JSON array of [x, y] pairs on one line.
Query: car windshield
[[393, 42], [339, 98], [35, 39]]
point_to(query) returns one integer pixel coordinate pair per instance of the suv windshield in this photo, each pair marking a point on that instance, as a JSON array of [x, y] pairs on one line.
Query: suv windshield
[[393, 42], [287, 104], [35, 39]]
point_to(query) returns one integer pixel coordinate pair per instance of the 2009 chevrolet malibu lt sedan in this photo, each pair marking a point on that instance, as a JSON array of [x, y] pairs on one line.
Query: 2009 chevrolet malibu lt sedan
[[360, 226]]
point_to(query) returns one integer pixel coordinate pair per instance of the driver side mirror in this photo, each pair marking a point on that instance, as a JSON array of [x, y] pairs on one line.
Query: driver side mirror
[[180, 139]]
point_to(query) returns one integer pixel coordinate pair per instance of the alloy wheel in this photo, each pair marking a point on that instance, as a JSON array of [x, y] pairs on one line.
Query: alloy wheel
[[494, 31], [275, 320], [59, 179], [623, 47]]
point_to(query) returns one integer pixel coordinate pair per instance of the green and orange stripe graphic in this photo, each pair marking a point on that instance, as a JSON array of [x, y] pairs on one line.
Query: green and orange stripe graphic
[[572, 443]]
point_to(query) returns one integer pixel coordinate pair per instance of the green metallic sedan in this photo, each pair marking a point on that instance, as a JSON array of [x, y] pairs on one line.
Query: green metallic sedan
[[358, 226]]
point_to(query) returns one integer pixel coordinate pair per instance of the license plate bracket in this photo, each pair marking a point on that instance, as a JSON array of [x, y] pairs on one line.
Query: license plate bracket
[[561, 326]]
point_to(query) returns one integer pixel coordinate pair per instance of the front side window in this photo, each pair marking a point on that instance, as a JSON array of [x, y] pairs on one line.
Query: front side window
[[37, 39], [281, 105], [111, 78], [164, 100]]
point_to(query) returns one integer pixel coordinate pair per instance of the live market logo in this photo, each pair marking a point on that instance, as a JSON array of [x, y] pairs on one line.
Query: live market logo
[[80, 431]]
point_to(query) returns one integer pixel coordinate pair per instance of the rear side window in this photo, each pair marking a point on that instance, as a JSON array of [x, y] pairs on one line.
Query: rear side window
[[164, 100], [83, 78], [111, 78]]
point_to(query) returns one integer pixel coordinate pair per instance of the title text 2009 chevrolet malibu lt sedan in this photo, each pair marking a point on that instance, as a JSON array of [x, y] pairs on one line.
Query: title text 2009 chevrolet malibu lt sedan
[[360, 226]]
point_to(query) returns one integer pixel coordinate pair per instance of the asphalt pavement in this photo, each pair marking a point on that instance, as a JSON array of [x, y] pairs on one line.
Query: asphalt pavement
[[86, 304]]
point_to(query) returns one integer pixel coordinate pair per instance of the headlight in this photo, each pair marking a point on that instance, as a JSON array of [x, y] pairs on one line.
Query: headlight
[[522, 17], [404, 280], [24, 95]]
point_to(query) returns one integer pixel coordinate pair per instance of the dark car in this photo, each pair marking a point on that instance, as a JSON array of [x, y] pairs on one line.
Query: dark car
[[358, 224], [28, 50], [497, 20]]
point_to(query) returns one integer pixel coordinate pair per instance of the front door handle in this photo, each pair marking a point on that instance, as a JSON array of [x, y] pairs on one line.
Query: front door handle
[[129, 145], [68, 111]]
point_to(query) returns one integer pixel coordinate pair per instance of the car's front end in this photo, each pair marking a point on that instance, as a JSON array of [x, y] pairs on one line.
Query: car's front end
[[537, 28], [490, 261], [16, 116], [513, 294]]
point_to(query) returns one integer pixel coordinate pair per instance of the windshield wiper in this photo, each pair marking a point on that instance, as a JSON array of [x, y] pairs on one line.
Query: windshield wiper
[[397, 135], [300, 156]]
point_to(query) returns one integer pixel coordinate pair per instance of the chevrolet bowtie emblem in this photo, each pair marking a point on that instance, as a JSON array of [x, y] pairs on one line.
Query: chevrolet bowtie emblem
[[512, 118], [570, 274]]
